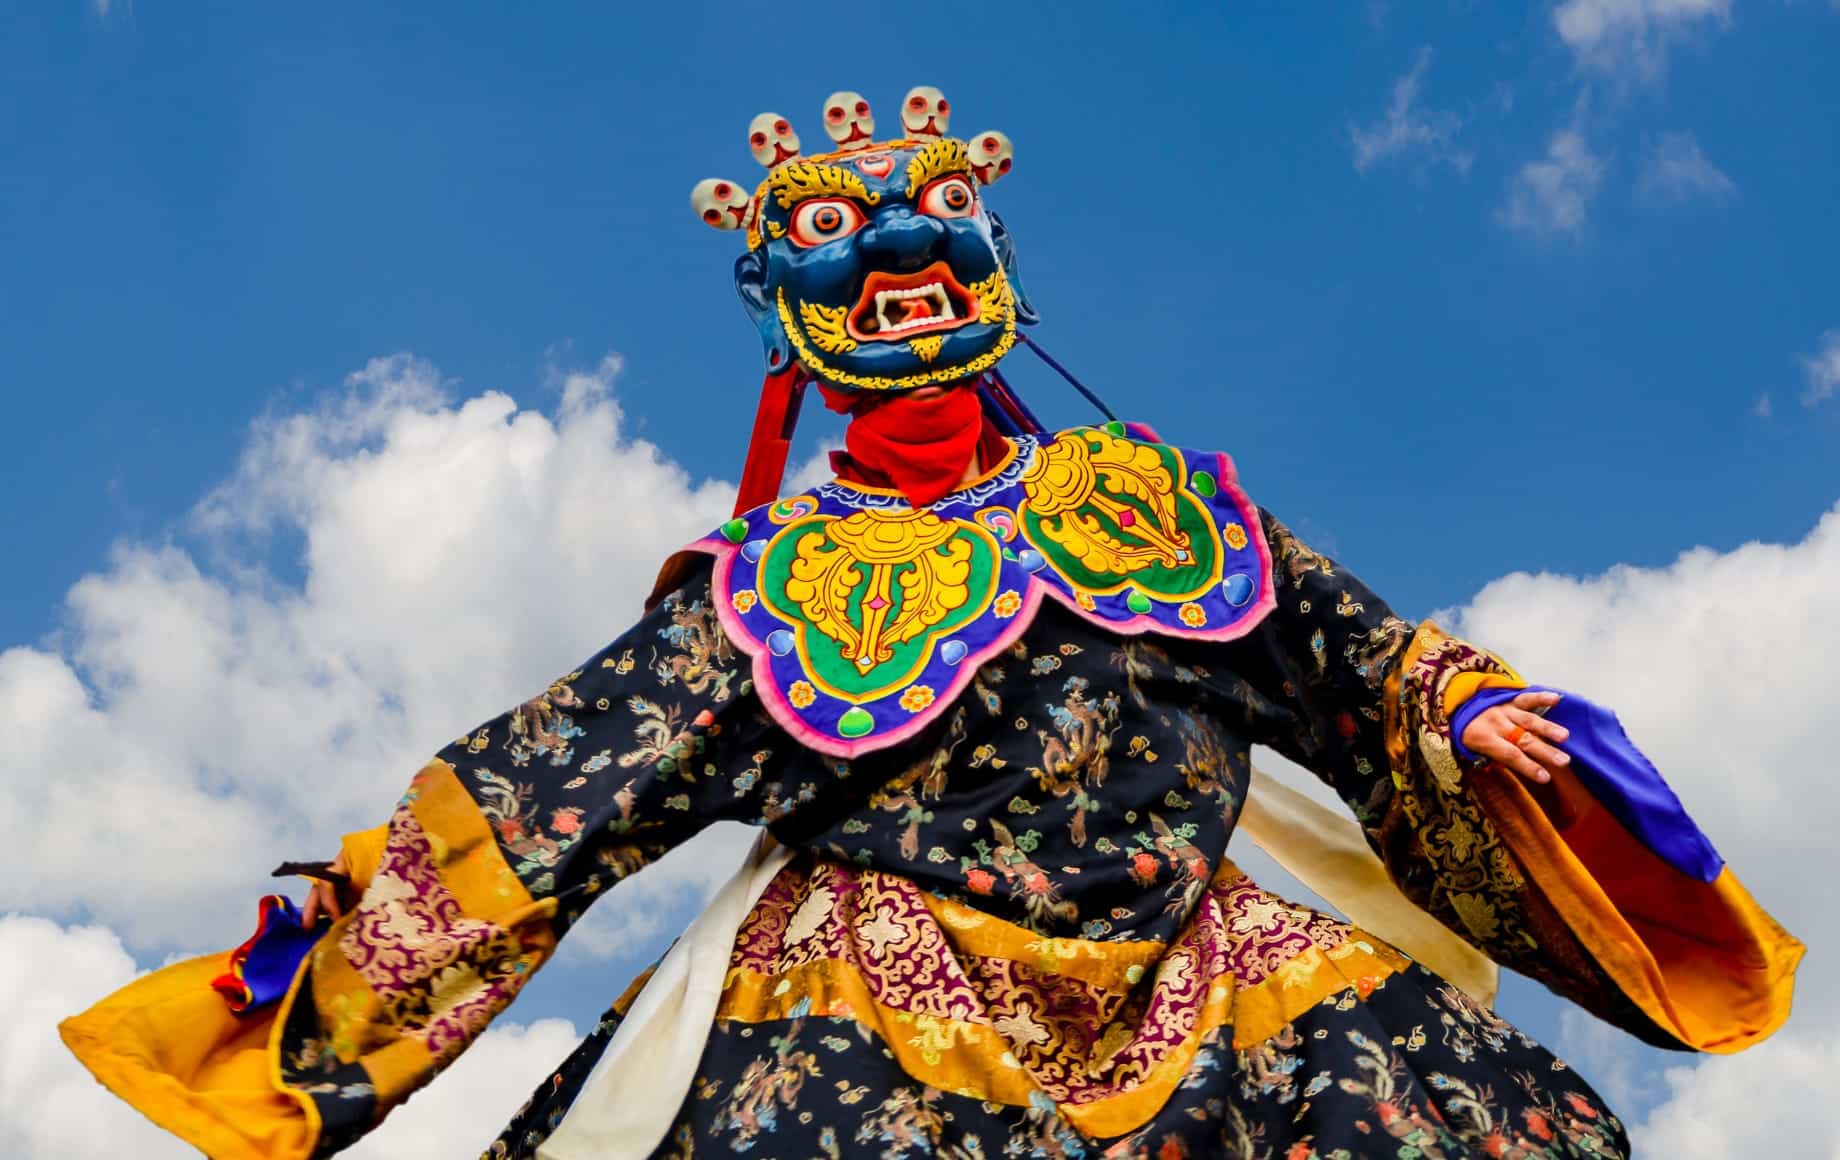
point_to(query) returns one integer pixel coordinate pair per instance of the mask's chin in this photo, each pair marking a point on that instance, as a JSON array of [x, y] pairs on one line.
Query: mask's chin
[[961, 354]]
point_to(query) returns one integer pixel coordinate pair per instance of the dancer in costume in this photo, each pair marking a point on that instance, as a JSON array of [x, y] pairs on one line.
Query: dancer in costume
[[991, 691]]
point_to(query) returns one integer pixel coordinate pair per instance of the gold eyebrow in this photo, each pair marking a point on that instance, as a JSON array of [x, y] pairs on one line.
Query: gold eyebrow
[[946, 155], [797, 181]]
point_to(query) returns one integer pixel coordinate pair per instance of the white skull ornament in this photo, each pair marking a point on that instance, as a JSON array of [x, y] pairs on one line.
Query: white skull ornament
[[847, 119], [925, 112], [771, 138], [991, 155], [721, 203]]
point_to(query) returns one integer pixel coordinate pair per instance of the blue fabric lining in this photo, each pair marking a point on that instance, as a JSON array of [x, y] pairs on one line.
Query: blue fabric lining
[[1617, 773]]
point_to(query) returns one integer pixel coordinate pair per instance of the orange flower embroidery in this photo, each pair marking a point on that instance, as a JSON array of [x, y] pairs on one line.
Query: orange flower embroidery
[[1008, 604], [916, 698], [1235, 536], [801, 694], [744, 600], [1192, 614]]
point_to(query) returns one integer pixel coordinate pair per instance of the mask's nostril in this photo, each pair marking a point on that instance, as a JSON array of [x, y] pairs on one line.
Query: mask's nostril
[[910, 243]]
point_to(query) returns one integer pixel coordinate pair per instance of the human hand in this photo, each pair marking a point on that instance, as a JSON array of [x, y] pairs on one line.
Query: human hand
[[323, 898], [1515, 736]]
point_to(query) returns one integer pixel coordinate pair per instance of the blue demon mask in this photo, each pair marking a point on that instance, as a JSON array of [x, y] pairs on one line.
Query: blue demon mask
[[878, 266]]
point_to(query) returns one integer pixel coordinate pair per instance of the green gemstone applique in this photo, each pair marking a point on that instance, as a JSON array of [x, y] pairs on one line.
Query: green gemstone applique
[[1137, 602], [1203, 484], [735, 530], [1115, 428], [855, 723]]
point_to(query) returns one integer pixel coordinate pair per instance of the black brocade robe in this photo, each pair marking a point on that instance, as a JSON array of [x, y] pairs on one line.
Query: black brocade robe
[[1015, 933], [1084, 788]]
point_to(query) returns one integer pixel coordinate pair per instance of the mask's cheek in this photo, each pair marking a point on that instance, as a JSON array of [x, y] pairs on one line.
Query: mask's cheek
[[970, 253], [825, 275]]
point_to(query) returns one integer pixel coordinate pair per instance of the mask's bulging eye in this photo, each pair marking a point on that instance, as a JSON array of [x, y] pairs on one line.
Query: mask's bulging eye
[[825, 220], [949, 197]]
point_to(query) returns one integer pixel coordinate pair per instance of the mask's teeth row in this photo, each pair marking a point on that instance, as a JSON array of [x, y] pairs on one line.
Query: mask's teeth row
[[937, 303]]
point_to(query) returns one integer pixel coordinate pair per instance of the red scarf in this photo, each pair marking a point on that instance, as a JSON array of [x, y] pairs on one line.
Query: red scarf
[[921, 447]]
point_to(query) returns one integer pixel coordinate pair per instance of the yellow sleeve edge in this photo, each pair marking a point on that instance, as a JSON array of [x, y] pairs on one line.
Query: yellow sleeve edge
[[363, 850], [163, 1099], [1714, 1010]]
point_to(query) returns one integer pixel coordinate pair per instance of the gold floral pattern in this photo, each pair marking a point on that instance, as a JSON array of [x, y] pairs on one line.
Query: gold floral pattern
[[1109, 502], [438, 975], [916, 698]]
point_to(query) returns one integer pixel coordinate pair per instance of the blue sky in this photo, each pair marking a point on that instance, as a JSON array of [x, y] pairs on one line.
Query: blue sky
[[1466, 289], [215, 208]]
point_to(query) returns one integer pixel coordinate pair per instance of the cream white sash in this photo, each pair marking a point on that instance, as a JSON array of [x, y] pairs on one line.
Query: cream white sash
[[630, 1098], [1327, 852]]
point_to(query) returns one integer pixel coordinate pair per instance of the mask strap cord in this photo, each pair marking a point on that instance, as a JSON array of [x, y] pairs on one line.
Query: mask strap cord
[[1044, 356]]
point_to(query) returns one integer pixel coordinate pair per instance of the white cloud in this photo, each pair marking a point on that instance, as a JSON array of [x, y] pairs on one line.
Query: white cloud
[[199, 719], [472, 1101], [1630, 37], [671, 890], [50, 1106], [1770, 1101], [456, 553], [1553, 195], [1678, 170], [1722, 666], [1601, 1054], [1763, 408], [1406, 128], [1823, 370]]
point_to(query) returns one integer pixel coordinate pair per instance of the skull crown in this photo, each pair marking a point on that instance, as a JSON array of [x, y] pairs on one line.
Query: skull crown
[[849, 123]]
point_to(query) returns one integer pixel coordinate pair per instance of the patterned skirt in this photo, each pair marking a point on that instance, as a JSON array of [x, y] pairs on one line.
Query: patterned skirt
[[864, 1017]]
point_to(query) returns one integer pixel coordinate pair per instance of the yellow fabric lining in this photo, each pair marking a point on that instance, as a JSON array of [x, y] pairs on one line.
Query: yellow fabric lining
[[167, 1043], [1262, 1010], [969, 1059], [1103, 964], [973, 1059], [1702, 960], [1463, 686], [363, 850]]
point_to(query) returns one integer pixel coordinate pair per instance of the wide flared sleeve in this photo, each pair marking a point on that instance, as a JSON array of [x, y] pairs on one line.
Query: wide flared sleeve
[[498, 845], [1553, 881]]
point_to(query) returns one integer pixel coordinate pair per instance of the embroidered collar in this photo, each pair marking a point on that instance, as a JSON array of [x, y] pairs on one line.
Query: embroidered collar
[[866, 617]]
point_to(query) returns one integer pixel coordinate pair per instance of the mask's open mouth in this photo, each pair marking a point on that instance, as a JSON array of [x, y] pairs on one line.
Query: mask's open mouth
[[897, 307]]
